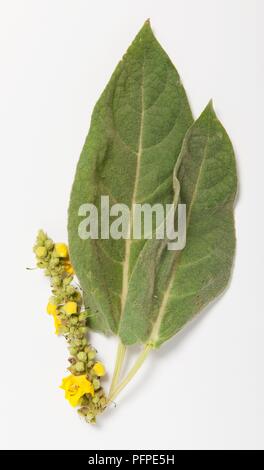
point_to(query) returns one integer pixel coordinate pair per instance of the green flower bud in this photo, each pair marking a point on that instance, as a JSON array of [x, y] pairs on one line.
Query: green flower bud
[[56, 271], [91, 354], [41, 264], [96, 384], [95, 399], [41, 252], [70, 290], [49, 244], [85, 400], [90, 418], [103, 401], [56, 281], [82, 356], [83, 330], [58, 299], [74, 320], [73, 351], [54, 262], [79, 366], [41, 237]]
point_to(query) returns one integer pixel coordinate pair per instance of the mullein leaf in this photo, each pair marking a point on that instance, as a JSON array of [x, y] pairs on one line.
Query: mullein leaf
[[136, 134], [181, 283]]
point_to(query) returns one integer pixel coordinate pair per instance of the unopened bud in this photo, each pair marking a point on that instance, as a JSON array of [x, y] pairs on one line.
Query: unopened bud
[[54, 262], [49, 244], [70, 290], [83, 330], [103, 402], [41, 251], [90, 418], [96, 384], [56, 281], [41, 237], [82, 356], [79, 366], [73, 351], [91, 354]]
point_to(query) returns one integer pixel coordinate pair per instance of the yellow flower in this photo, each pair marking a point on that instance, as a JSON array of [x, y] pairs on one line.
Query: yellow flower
[[70, 308], [68, 267], [99, 369], [61, 250], [75, 387], [57, 324], [51, 309], [41, 251]]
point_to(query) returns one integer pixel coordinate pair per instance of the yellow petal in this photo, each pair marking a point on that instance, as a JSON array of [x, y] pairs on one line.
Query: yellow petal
[[51, 309], [66, 381], [61, 250], [57, 324], [75, 387], [70, 308], [86, 386], [99, 369], [68, 268], [73, 399]]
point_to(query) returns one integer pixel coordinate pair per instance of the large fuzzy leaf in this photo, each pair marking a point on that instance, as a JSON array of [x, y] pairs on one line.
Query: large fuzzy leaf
[[164, 296], [136, 134]]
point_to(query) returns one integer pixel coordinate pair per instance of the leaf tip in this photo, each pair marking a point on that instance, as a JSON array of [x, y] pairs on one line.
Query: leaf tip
[[210, 105], [147, 25], [208, 110]]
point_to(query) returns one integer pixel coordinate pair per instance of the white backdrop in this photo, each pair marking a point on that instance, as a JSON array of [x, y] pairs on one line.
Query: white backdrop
[[203, 389]]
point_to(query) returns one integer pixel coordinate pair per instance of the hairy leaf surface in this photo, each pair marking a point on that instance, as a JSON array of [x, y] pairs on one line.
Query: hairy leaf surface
[[136, 134], [165, 295]]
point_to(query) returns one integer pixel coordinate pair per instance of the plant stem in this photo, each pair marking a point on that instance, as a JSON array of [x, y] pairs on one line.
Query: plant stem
[[140, 360], [120, 356]]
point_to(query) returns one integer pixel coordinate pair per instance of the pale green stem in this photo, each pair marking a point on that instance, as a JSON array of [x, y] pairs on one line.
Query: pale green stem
[[120, 356], [140, 360]]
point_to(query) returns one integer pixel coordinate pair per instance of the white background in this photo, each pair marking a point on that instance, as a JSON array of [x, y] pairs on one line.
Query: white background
[[204, 389]]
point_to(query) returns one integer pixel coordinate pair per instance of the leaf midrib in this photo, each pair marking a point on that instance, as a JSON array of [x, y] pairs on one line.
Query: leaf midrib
[[128, 242]]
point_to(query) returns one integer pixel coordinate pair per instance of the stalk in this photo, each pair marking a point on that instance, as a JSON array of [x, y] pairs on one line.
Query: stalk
[[120, 356], [140, 360]]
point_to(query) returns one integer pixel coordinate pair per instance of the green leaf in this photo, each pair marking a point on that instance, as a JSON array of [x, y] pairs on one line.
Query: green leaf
[[136, 134], [164, 296]]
